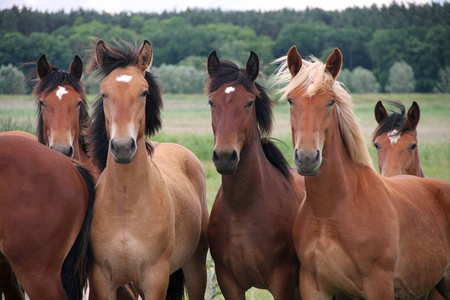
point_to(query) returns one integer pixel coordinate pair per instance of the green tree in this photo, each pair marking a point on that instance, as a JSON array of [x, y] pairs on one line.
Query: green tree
[[401, 78], [180, 79], [443, 83], [12, 80]]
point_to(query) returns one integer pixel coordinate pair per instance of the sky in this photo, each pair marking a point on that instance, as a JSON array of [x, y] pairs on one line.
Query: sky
[[158, 6]]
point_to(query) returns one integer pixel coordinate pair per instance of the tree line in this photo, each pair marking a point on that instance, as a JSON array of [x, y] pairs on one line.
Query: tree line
[[371, 38]]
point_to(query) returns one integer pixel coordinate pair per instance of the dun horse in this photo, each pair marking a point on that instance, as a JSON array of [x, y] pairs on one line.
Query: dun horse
[[150, 215], [358, 232], [395, 139], [250, 229], [63, 110], [45, 214]]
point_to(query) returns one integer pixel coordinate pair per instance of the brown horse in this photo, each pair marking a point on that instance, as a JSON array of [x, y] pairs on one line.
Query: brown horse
[[395, 139], [250, 229], [150, 215], [46, 205], [357, 231], [19, 133], [63, 110]]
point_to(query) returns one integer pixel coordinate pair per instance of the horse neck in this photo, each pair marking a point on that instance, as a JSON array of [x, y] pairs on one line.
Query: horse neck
[[337, 177], [253, 168], [81, 156]]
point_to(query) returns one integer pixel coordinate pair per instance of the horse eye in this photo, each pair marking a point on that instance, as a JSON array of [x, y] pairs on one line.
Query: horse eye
[[289, 101], [79, 103], [331, 103], [413, 147], [376, 146], [103, 96], [210, 103], [145, 94], [250, 103], [41, 104]]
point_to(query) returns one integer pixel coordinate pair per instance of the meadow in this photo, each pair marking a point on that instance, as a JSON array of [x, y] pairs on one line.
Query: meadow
[[186, 120]]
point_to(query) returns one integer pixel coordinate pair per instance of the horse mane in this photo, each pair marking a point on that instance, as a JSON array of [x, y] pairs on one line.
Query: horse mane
[[230, 72], [396, 120], [121, 56], [56, 78], [314, 79]]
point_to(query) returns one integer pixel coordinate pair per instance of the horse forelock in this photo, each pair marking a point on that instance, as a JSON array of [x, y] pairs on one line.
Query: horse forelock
[[313, 79], [396, 120], [230, 72]]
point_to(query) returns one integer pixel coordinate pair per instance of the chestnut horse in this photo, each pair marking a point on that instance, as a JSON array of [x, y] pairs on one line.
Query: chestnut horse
[[250, 228], [395, 139], [150, 215], [63, 110], [358, 232], [46, 205]]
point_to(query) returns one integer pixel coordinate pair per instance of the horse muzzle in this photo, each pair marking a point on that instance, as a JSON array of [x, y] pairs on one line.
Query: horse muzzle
[[307, 162], [226, 162], [123, 150], [66, 149]]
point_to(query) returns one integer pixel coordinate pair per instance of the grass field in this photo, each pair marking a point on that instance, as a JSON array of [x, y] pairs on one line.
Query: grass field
[[186, 120]]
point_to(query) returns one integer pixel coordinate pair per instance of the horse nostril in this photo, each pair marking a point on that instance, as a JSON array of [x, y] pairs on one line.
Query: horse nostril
[[234, 156], [318, 155], [133, 144], [296, 153], [112, 144], [215, 156], [70, 152]]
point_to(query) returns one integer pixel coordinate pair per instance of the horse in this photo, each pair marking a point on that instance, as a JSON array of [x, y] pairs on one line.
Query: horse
[[250, 227], [46, 205], [358, 232], [19, 133], [150, 215], [395, 140], [63, 110]]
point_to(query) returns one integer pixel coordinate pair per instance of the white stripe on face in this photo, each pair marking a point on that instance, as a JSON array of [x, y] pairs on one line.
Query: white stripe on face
[[393, 136], [229, 89], [60, 92], [124, 78]]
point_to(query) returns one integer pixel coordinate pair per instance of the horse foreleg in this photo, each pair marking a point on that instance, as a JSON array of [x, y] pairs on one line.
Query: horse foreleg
[[309, 288], [100, 288], [228, 285], [155, 281], [195, 271], [443, 287], [282, 283], [43, 286]]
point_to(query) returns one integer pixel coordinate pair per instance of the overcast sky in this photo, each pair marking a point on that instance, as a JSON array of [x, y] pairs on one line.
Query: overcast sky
[[115, 6]]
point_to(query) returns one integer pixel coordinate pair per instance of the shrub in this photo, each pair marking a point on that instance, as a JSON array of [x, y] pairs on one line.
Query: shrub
[[180, 79], [443, 83], [401, 78], [363, 81], [12, 80]]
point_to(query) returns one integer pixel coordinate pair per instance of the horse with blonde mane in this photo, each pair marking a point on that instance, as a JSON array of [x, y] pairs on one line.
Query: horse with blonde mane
[[150, 216], [358, 232]]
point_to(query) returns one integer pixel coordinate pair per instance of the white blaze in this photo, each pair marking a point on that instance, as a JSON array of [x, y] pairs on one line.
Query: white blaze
[[229, 89], [124, 78], [60, 92], [393, 136]]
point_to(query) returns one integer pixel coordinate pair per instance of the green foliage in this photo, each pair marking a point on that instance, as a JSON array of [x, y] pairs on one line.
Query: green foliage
[[401, 78], [12, 80], [180, 79], [443, 84], [363, 81]]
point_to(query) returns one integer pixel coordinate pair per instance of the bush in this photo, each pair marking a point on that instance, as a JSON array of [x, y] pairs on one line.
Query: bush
[[180, 79], [363, 81], [12, 80], [345, 76], [401, 78], [443, 83]]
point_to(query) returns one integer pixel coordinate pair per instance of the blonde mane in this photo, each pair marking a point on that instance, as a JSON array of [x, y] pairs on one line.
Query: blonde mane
[[313, 79]]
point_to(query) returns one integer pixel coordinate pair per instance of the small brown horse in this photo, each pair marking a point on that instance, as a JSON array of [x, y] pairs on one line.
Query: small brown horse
[[63, 110], [150, 215], [357, 231], [250, 229], [395, 139], [46, 206]]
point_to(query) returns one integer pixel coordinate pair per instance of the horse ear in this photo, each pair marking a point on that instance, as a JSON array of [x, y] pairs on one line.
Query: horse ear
[[252, 67], [145, 56], [380, 112], [76, 67], [294, 61], [213, 63], [101, 53], [334, 63], [43, 67], [413, 116]]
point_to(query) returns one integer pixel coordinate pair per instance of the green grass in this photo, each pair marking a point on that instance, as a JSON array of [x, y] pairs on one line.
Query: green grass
[[186, 120]]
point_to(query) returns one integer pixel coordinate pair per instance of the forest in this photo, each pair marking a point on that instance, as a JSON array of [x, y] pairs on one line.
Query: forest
[[371, 38]]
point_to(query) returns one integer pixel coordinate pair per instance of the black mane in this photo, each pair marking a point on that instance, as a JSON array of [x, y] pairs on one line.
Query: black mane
[[56, 78], [230, 72], [396, 120], [121, 57]]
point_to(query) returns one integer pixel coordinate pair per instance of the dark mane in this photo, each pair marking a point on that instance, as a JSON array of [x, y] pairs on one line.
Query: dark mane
[[395, 120], [230, 72], [56, 78], [121, 57]]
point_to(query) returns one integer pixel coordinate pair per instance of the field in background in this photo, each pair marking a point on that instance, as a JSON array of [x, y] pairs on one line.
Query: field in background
[[186, 120]]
